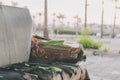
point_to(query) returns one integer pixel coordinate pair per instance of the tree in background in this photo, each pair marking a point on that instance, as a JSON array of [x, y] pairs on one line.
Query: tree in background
[[115, 14], [85, 25], [102, 16], [54, 20], [68, 24], [45, 33], [39, 24], [77, 22], [60, 18], [34, 25]]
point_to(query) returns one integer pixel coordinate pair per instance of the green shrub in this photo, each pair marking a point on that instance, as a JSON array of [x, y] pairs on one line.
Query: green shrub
[[88, 42], [97, 45], [106, 34], [93, 34], [69, 32], [119, 50], [86, 32], [106, 49]]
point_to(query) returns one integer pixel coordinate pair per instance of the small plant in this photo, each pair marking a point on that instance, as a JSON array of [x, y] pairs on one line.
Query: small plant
[[88, 42], [97, 45], [119, 50], [106, 49]]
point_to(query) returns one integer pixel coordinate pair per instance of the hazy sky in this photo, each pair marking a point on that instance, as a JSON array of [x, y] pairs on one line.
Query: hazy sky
[[71, 8]]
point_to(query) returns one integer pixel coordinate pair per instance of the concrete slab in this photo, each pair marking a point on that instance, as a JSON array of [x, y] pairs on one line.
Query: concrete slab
[[15, 35]]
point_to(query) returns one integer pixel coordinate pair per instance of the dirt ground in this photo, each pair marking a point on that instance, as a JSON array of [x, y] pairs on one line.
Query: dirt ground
[[103, 66]]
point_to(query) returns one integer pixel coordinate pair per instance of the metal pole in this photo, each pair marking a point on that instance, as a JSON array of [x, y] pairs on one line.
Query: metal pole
[[85, 25], [102, 18], [113, 31], [45, 21]]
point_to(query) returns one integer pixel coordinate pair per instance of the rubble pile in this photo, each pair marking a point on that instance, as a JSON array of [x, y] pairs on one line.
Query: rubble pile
[[49, 60], [40, 71], [52, 50]]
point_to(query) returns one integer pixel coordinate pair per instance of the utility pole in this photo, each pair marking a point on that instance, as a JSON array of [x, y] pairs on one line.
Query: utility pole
[[113, 30], [45, 20], [85, 25], [102, 19]]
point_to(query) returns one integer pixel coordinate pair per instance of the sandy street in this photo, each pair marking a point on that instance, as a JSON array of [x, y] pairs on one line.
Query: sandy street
[[104, 67]]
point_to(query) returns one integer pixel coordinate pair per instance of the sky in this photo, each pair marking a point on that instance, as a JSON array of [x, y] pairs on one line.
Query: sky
[[72, 8]]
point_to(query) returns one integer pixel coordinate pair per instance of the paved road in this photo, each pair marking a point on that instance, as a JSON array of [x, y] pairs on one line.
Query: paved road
[[103, 67]]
